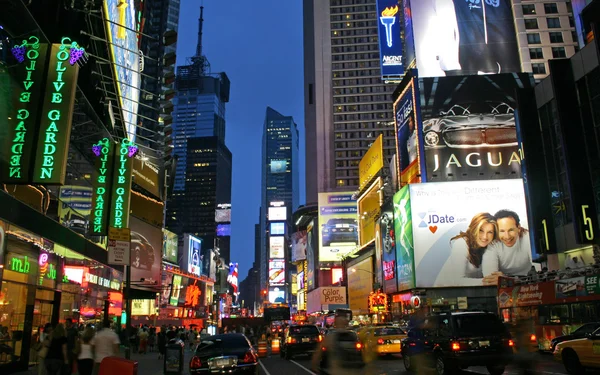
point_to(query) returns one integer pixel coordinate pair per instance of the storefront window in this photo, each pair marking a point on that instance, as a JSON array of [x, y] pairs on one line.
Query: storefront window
[[13, 302]]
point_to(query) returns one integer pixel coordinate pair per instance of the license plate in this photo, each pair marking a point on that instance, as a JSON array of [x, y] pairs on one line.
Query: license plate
[[484, 343], [305, 339], [396, 341], [222, 362]]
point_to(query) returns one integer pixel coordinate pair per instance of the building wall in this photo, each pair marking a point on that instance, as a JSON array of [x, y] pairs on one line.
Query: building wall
[[346, 104]]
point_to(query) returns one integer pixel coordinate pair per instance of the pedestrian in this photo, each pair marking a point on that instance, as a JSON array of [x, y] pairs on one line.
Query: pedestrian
[[143, 340], [104, 344], [162, 342], [72, 336], [134, 339], [334, 351], [192, 339], [57, 359], [85, 356], [151, 340], [42, 348]]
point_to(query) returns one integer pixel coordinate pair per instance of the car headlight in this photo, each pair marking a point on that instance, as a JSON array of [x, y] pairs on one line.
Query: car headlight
[[432, 139]]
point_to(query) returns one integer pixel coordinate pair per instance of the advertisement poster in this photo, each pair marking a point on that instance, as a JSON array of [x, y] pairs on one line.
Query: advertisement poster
[[403, 234], [464, 231], [338, 231], [407, 135], [390, 43], [464, 37], [146, 247], [74, 207], [312, 244], [578, 286], [526, 295], [409, 38], [469, 130], [169, 250], [388, 245], [378, 253], [278, 166], [361, 281], [276, 246], [167, 281], [299, 245], [276, 272], [371, 163], [192, 248], [176, 290], [369, 206]]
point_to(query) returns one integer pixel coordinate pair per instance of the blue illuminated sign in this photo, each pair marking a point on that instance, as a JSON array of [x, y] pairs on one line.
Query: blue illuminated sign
[[277, 229], [390, 44]]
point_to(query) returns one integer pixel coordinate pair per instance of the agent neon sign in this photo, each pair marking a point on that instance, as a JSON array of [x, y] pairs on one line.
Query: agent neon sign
[[121, 191]]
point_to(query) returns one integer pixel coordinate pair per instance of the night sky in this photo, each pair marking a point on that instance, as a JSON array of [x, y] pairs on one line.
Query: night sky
[[259, 45]]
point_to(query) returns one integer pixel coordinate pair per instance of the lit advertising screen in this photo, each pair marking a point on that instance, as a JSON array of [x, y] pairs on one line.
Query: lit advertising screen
[[167, 281], [390, 44], [361, 280], [276, 272], [277, 229], [223, 230], [403, 240], [74, 207], [121, 23], [469, 128], [169, 246], [276, 246], [465, 231], [369, 208], [146, 251], [278, 166], [277, 296], [409, 39], [312, 248], [387, 241], [300, 280], [408, 143], [299, 240], [338, 231], [223, 215], [464, 37], [192, 249], [277, 214], [176, 291]]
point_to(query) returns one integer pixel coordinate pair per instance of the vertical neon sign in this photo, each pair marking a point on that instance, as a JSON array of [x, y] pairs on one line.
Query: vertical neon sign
[[121, 184], [22, 124], [53, 140], [104, 152]]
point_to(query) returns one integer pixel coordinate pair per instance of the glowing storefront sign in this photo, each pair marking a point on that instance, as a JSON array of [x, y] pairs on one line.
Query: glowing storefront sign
[[192, 295], [22, 119], [55, 128], [390, 44], [121, 184], [104, 150]]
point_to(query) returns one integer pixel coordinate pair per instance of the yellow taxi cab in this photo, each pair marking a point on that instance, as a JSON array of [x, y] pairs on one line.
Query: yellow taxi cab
[[382, 340], [580, 354]]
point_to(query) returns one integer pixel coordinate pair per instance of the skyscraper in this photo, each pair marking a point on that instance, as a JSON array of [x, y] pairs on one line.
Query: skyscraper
[[279, 181], [346, 103]]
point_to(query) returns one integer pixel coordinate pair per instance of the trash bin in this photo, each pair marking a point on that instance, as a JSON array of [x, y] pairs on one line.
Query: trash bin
[[174, 358]]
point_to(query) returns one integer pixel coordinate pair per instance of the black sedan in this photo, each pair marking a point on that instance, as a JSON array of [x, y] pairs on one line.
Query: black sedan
[[579, 333], [230, 353]]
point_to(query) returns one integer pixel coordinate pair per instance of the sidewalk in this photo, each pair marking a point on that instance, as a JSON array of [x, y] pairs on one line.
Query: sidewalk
[[148, 364]]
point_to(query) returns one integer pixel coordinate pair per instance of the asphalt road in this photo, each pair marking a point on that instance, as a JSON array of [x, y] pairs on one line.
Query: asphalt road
[[274, 365]]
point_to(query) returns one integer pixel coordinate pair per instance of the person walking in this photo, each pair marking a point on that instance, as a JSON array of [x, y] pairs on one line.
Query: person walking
[[72, 337], [85, 355], [162, 342], [151, 340], [57, 359], [104, 344], [42, 348], [143, 340]]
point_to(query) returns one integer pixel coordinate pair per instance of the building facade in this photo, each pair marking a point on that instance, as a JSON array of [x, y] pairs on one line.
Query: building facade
[[347, 105]]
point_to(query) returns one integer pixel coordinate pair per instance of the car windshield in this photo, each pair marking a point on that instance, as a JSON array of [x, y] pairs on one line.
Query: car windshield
[[587, 328], [222, 343], [304, 330], [478, 325], [388, 331], [340, 221]]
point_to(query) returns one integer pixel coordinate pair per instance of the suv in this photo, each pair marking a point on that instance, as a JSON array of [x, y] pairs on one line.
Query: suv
[[457, 340], [300, 339]]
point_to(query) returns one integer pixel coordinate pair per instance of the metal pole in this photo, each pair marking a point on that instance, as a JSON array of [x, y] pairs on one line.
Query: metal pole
[[128, 311]]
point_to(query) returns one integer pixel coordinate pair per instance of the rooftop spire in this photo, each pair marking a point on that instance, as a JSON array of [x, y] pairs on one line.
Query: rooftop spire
[[200, 22]]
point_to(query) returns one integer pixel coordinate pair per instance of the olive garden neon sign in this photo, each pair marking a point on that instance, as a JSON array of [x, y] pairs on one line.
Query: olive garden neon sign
[[104, 151], [121, 184]]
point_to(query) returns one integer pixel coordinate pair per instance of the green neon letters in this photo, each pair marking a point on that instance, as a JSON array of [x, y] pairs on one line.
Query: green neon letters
[[104, 151], [20, 265], [121, 190]]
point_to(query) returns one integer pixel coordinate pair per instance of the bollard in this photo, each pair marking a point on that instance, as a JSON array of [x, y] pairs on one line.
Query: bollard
[[275, 346], [262, 348], [173, 364], [115, 365]]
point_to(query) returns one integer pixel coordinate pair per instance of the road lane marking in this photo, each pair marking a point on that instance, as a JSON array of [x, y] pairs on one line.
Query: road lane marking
[[302, 367], [264, 368]]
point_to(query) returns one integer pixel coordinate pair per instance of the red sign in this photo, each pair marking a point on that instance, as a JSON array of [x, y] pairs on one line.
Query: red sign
[[388, 269], [526, 295], [192, 295]]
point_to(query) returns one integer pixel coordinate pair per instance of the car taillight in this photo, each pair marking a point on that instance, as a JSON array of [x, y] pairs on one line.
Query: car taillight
[[195, 363], [455, 346], [291, 340], [532, 338], [511, 343], [249, 357], [320, 338], [380, 341], [358, 346]]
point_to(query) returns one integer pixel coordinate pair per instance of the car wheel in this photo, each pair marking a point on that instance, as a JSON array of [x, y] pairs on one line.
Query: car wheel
[[495, 369], [409, 363], [137, 258], [571, 362], [441, 366]]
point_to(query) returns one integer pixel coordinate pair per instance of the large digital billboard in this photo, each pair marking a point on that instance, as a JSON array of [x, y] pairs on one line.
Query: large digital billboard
[[299, 240], [371, 163], [278, 166], [312, 248], [390, 44], [469, 130], [277, 229], [369, 207], [360, 277], [277, 213], [387, 243], [464, 37], [223, 215], [276, 247], [123, 46], [169, 251], [146, 248], [403, 240], [338, 225], [408, 142], [468, 233], [192, 248], [74, 207], [276, 272]]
